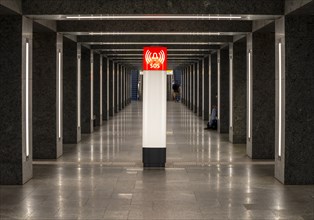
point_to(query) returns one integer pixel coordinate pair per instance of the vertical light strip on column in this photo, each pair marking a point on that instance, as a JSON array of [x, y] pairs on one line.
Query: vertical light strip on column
[[231, 91], [92, 89], [107, 80], [249, 95], [59, 95], [280, 97], [27, 101], [79, 92], [101, 85], [218, 77]]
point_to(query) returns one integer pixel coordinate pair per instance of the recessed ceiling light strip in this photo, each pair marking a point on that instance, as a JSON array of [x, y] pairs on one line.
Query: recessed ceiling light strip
[[154, 17], [154, 43], [157, 33]]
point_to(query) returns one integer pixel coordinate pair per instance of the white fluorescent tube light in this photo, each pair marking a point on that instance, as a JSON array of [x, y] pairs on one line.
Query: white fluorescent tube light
[[152, 17], [27, 101], [141, 55], [231, 91], [155, 33], [141, 50], [249, 96], [154, 43], [218, 85], [59, 94], [280, 100], [79, 92], [92, 91], [100, 86]]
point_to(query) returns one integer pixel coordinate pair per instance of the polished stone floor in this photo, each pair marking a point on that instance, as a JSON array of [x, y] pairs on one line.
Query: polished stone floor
[[206, 177]]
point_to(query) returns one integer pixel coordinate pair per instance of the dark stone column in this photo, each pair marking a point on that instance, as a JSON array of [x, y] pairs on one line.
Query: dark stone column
[[111, 88], [130, 86], [183, 87], [206, 97], [296, 35], [213, 80], [116, 88], [71, 132], [195, 87], [191, 87], [200, 65], [86, 114], [262, 142], [15, 166], [127, 88], [123, 87], [121, 90], [223, 121], [47, 142], [105, 88], [96, 79], [186, 93], [237, 134], [188, 88]]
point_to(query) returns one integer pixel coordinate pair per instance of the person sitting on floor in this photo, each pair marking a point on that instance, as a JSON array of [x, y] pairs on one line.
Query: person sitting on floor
[[212, 123]]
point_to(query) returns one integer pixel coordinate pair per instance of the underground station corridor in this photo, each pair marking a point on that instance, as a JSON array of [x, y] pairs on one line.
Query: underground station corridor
[[206, 177], [176, 109]]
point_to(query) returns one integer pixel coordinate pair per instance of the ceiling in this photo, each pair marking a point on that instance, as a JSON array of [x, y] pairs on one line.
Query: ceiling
[[190, 29]]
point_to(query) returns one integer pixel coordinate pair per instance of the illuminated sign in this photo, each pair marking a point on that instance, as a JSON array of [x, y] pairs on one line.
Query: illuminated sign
[[155, 58], [169, 72]]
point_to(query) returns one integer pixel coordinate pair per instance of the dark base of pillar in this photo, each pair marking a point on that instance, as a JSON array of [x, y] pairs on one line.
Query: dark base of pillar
[[154, 157]]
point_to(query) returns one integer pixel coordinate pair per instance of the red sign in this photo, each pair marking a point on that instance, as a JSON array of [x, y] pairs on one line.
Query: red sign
[[155, 58]]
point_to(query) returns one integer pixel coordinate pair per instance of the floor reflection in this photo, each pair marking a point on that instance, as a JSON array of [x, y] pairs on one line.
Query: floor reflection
[[206, 178]]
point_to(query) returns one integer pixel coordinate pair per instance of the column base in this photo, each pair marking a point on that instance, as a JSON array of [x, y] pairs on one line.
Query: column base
[[154, 157]]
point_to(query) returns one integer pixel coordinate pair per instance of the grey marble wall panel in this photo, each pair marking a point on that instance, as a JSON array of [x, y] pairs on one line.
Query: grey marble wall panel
[[214, 87], [238, 133], [200, 88], [44, 93], [70, 130], [111, 88], [105, 79], [206, 98], [299, 105], [223, 122], [86, 122], [263, 91], [97, 88], [14, 168]]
